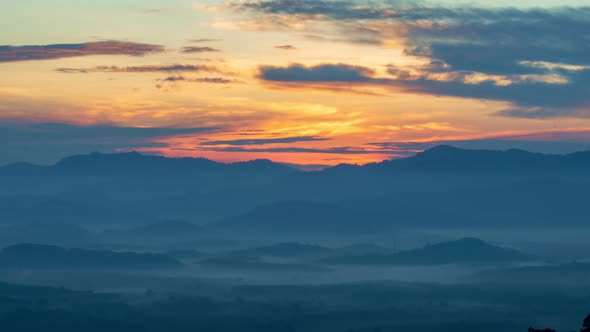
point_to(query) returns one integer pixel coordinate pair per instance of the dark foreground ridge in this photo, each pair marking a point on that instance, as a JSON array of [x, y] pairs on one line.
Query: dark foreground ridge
[[26, 308]]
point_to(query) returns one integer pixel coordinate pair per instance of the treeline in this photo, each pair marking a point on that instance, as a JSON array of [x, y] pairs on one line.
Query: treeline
[[27, 309], [585, 327]]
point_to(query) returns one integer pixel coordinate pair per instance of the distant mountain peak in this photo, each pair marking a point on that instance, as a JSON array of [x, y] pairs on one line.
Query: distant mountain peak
[[439, 158], [443, 148], [31, 255], [463, 251], [453, 159], [133, 163]]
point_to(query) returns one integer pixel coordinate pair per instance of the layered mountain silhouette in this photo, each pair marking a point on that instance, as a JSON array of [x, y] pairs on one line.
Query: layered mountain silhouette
[[463, 251], [441, 187], [169, 231], [135, 164], [256, 263], [48, 257], [450, 159], [295, 217], [440, 158], [285, 250], [79, 207], [168, 227], [46, 233]]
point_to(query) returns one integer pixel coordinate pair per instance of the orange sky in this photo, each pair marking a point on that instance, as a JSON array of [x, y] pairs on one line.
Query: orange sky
[[305, 122]]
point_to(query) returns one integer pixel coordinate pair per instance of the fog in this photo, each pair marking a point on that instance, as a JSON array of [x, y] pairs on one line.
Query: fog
[[448, 245]]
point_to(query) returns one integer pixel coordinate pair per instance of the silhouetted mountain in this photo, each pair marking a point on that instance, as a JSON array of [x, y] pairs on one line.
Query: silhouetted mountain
[[255, 263], [572, 273], [435, 188], [185, 254], [463, 251], [46, 256], [75, 208], [448, 158], [156, 236], [439, 158], [133, 163], [287, 249], [22, 168], [297, 216], [361, 249], [335, 218], [170, 227], [46, 233]]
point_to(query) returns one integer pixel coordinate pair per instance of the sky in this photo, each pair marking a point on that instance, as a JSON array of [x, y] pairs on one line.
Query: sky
[[297, 81]]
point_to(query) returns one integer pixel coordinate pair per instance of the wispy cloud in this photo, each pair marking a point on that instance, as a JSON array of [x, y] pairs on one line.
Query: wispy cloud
[[142, 69], [170, 83], [214, 80], [338, 150], [285, 47], [57, 51], [264, 141], [205, 40], [199, 49]]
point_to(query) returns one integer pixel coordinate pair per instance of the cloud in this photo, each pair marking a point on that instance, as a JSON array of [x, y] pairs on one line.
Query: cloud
[[57, 51], [142, 69], [285, 47], [170, 83], [498, 41], [554, 141], [218, 60], [532, 99], [315, 8], [264, 141], [48, 142], [205, 40], [214, 80], [536, 59], [173, 68], [318, 73], [199, 49], [337, 150], [73, 70]]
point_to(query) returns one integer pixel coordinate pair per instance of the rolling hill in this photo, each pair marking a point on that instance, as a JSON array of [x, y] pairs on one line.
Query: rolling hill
[[35, 256], [463, 251]]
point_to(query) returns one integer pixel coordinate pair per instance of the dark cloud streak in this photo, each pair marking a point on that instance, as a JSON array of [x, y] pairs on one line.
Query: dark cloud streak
[[198, 49], [264, 141], [285, 47], [142, 69], [205, 40], [319, 73], [213, 80], [338, 150], [57, 51]]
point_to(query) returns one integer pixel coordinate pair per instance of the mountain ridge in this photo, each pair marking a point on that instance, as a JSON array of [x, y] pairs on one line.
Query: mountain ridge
[[438, 158], [462, 251], [30, 255], [129, 163]]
